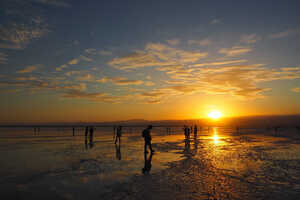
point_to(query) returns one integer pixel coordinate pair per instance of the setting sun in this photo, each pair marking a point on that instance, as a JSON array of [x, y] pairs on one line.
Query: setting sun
[[214, 114]]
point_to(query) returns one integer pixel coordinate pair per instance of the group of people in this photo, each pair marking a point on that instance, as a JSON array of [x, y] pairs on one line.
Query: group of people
[[146, 134], [188, 130]]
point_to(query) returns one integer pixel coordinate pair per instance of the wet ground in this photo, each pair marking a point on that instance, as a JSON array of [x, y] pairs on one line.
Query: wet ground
[[215, 165]]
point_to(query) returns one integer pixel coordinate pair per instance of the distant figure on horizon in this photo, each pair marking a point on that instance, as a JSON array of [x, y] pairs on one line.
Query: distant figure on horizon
[[188, 132], [147, 166], [195, 131], [185, 131], [86, 131], [118, 134], [147, 137], [91, 134]]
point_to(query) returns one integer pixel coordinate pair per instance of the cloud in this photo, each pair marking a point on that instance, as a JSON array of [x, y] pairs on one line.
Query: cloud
[[283, 34], [58, 3], [105, 53], [70, 73], [216, 21], [86, 77], [31, 78], [296, 89], [3, 58], [173, 42], [73, 61], [235, 80], [220, 63], [60, 68], [157, 55], [204, 42], [85, 58], [18, 35], [120, 81], [250, 38], [149, 83], [235, 51], [91, 51], [93, 96], [27, 69]]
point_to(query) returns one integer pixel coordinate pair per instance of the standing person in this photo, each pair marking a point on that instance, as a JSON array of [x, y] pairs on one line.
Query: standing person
[[119, 134], [147, 137], [91, 134], [86, 132], [195, 131], [185, 131]]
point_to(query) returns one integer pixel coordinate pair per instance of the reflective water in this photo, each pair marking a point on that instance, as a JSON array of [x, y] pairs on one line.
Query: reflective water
[[216, 165]]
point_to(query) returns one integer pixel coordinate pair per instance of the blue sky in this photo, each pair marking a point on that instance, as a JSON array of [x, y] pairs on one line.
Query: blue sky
[[147, 57]]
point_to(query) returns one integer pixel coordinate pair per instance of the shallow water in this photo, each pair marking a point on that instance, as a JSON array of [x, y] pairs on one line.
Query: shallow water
[[217, 165]]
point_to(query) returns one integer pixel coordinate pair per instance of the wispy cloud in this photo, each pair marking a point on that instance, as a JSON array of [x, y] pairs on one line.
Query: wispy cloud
[[105, 53], [3, 58], [93, 96], [216, 21], [17, 36], [250, 38], [227, 62], [204, 42], [235, 51], [73, 61], [283, 34], [174, 41], [120, 81], [28, 69], [60, 68], [157, 54]]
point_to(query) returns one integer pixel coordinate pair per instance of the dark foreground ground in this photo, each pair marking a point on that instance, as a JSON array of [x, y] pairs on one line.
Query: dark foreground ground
[[213, 166]]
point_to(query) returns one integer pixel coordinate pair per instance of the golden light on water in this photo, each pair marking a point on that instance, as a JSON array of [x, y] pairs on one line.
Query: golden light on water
[[215, 137], [214, 114]]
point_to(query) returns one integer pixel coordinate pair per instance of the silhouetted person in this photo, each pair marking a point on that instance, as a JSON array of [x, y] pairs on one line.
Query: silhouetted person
[[73, 131], [147, 137], [118, 151], [147, 166], [118, 134], [185, 129], [188, 132], [91, 134], [195, 131], [86, 131]]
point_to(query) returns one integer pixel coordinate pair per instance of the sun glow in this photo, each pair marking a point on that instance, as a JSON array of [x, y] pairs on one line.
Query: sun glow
[[214, 114]]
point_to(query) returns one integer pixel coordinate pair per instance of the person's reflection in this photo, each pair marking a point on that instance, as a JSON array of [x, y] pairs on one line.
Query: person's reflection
[[187, 147], [89, 144], [118, 151], [147, 166], [196, 142]]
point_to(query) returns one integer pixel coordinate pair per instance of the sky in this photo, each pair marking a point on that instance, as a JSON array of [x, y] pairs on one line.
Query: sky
[[66, 61]]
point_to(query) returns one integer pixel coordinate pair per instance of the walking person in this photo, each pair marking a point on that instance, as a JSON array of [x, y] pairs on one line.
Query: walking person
[[147, 137], [119, 134]]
